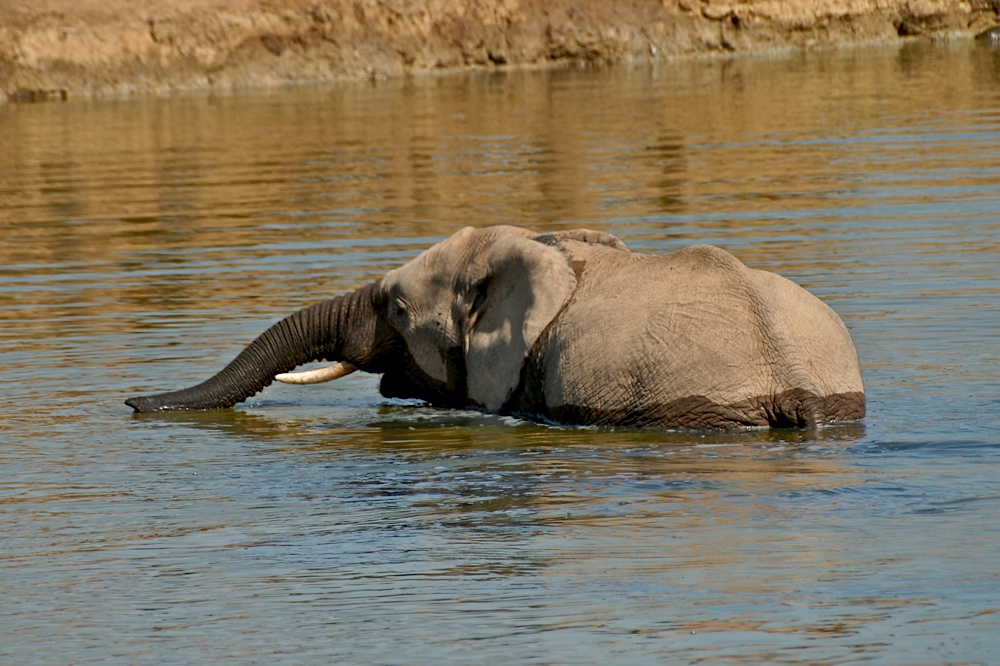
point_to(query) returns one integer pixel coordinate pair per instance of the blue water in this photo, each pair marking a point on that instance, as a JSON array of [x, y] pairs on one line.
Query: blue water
[[144, 242]]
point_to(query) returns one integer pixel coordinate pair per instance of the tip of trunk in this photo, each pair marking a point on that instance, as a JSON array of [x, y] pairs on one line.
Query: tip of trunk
[[139, 404], [174, 401]]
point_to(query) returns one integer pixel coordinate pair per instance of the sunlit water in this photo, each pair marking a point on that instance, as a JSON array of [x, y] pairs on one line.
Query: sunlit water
[[143, 243]]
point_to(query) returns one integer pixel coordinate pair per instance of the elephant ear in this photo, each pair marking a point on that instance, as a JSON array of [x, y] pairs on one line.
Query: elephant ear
[[584, 236], [526, 285]]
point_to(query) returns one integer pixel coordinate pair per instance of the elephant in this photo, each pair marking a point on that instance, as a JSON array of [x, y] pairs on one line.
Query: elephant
[[572, 328]]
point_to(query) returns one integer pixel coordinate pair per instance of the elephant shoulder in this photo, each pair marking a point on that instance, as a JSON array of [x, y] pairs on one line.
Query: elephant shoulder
[[708, 257], [707, 268]]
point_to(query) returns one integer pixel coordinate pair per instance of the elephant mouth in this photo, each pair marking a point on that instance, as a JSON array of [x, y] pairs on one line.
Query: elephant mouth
[[407, 380]]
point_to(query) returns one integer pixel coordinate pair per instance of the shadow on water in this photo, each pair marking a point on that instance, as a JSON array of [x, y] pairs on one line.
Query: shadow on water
[[482, 466], [462, 475]]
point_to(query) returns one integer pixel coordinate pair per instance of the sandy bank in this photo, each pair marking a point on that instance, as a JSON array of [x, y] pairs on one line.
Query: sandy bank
[[54, 49]]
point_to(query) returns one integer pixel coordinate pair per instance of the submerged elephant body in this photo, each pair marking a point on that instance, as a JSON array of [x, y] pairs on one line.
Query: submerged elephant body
[[572, 328], [718, 345]]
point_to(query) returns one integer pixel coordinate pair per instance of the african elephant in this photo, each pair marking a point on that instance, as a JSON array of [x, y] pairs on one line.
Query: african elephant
[[569, 327]]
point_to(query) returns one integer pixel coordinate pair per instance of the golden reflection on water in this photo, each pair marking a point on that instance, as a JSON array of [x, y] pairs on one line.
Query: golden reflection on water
[[418, 158]]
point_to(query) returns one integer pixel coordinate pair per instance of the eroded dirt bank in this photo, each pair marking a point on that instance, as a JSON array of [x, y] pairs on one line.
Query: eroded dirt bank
[[62, 48]]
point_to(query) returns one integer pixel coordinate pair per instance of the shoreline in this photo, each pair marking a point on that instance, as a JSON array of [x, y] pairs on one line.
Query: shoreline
[[54, 50]]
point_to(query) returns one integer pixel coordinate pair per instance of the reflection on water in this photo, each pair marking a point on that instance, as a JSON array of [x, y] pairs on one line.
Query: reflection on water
[[142, 243]]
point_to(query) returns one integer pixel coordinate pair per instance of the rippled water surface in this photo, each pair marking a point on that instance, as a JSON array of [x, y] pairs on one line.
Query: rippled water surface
[[143, 243]]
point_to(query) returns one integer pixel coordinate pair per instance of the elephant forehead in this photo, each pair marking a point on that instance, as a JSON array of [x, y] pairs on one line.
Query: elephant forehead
[[434, 269], [441, 266]]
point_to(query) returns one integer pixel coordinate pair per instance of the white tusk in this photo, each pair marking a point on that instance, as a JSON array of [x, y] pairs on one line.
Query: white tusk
[[335, 371]]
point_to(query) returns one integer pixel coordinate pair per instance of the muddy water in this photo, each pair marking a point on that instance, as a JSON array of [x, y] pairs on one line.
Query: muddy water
[[142, 243]]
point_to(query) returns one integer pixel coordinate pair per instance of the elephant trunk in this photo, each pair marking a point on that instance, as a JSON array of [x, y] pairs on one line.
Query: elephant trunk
[[341, 328]]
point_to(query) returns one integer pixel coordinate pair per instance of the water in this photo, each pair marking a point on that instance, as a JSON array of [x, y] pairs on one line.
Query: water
[[143, 242]]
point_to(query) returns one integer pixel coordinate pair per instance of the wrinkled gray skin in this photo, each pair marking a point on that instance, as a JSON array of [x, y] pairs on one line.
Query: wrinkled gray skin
[[574, 328]]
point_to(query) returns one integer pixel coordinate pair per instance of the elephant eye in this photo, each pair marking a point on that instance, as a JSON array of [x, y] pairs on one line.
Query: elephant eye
[[398, 314]]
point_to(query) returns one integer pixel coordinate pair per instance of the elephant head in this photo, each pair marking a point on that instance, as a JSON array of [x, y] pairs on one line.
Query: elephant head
[[452, 327]]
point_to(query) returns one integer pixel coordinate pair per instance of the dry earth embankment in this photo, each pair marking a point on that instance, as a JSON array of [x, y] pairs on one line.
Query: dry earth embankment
[[60, 48]]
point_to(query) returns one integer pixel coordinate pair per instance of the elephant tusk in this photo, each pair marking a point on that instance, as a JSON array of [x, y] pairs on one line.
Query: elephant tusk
[[335, 371]]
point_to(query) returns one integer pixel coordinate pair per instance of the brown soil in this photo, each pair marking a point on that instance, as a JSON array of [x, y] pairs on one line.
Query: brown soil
[[54, 49]]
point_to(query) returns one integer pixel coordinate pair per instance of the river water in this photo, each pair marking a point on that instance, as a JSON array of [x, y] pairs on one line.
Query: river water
[[144, 242]]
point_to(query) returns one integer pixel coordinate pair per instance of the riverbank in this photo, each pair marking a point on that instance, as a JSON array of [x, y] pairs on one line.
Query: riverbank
[[56, 49]]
